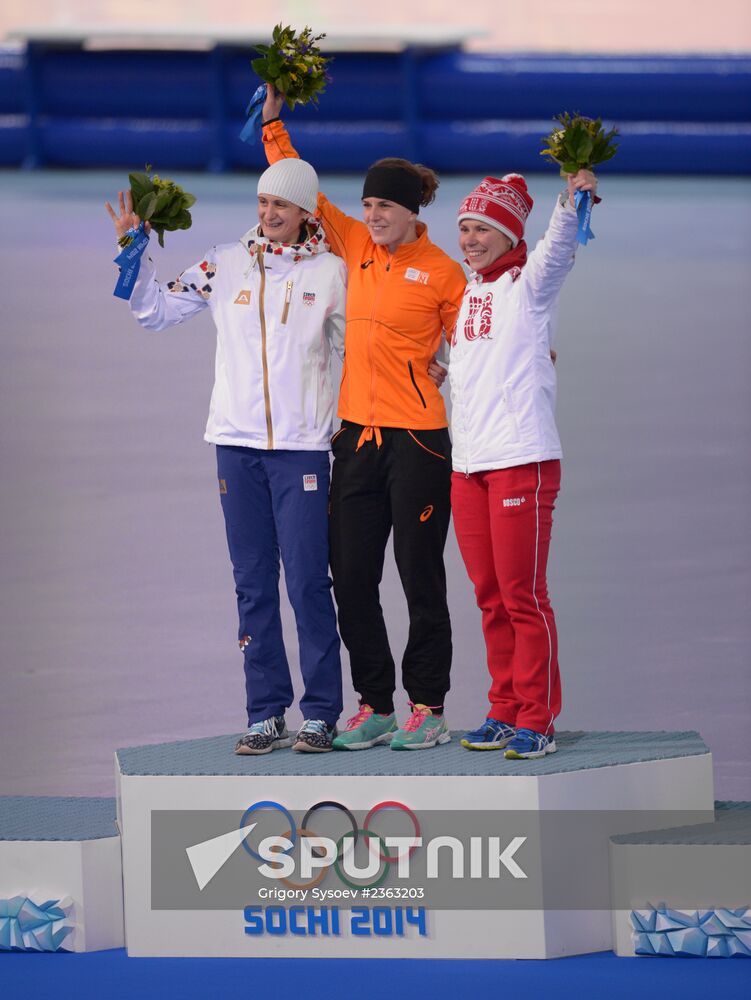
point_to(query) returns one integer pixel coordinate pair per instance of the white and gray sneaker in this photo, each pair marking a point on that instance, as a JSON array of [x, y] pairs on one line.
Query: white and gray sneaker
[[315, 736], [264, 736]]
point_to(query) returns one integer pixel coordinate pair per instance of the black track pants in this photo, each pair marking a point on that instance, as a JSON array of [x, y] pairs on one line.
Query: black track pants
[[405, 485]]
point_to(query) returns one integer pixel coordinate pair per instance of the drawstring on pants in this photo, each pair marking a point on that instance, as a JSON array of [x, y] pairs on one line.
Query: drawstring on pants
[[368, 433]]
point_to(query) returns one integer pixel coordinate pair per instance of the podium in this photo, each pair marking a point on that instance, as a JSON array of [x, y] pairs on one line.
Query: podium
[[687, 890], [60, 874], [189, 811]]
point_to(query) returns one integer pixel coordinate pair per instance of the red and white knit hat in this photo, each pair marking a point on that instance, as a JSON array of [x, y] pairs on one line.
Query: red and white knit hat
[[504, 204]]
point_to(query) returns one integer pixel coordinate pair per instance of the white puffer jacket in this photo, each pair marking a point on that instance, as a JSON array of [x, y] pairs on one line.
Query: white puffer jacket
[[503, 383], [277, 322]]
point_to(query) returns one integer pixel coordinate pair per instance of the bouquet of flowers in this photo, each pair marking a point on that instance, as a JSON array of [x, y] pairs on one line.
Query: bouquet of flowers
[[161, 202], [579, 143], [293, 64]]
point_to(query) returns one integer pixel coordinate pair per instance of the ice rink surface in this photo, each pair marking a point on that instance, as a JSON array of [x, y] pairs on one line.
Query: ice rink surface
[[118, 620]]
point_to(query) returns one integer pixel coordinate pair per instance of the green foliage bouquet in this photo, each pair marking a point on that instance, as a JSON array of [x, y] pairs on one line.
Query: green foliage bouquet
[[579, 143], [161, 202], [293, 64]]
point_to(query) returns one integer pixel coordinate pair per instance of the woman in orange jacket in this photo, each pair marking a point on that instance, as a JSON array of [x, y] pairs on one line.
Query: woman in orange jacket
[[392, 454]]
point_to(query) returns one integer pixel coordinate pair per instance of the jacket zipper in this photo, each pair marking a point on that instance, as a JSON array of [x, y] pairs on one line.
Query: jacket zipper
[[287, 297], [370, 350], [264, 361], [417, 387]]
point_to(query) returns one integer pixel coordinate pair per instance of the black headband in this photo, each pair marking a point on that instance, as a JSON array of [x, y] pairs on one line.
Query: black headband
[[394, 184]]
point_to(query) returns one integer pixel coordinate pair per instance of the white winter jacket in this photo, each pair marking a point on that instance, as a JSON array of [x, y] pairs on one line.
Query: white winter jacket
[[503, 381], [276, 323]]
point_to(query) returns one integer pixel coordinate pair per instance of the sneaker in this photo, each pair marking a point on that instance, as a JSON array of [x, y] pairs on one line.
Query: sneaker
[[264, 736], [365, 730], [491, 735], [421, 730], [529, 745], [314, 736]]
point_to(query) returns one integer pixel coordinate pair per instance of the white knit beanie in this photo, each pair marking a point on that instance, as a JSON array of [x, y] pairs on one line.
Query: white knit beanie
[[294, 180]]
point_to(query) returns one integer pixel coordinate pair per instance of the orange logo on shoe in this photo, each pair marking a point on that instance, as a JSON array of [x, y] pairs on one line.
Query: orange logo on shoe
[[243, 299], [427, 512]]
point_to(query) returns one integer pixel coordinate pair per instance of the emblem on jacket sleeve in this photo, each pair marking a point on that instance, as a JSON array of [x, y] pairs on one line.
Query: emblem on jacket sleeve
[[208, 268], [308, 298], [243, 298], [478, 321]]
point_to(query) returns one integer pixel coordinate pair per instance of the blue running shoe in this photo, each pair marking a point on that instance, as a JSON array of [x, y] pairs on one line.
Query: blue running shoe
[[529, 745], [492, 735]]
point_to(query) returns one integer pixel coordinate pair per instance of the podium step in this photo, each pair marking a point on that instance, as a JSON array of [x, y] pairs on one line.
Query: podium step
[[688, 888], [57, 817], [60, 874], [577, 751]]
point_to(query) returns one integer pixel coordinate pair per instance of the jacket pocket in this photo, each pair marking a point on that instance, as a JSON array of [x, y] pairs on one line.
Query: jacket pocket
[[511, 418], [416, 386], [287, 300]]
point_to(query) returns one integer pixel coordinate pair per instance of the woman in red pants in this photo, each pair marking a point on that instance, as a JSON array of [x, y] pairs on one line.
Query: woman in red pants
[[506, 450]]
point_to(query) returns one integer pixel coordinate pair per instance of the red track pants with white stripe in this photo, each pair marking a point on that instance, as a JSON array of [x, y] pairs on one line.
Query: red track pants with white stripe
[[503, 520]]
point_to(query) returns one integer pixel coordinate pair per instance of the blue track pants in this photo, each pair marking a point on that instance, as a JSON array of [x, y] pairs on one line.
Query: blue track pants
[[276, 503]]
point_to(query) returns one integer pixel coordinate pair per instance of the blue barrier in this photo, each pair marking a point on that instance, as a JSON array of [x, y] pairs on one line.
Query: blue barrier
[[61, 105], [12, 82], [132, 143], [126, 84], [620, 88]]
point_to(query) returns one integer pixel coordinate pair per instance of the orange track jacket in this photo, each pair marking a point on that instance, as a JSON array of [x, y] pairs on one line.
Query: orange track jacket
[[397, 307]]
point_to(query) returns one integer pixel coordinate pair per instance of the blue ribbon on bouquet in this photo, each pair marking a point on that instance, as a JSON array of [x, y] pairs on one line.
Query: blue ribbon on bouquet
[[129, 261], [254, 111], [583, 205]]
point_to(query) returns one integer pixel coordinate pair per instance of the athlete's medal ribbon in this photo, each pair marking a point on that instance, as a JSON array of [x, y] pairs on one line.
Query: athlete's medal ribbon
[[583, 205], [254, 111], [129, 261]]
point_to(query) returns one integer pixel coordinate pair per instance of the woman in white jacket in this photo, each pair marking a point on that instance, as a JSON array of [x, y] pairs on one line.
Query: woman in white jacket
[[277, 298], [506, 450]]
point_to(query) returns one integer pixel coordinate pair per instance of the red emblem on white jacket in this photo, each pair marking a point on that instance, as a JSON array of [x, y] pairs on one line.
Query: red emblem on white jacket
[[483, 306]]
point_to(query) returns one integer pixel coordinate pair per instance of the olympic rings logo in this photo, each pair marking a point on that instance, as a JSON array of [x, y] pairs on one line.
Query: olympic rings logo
[[277, 847]]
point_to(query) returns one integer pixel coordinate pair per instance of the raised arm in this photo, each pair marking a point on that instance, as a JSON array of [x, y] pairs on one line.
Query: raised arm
[[277, 145], [157, 306], [553, 257]]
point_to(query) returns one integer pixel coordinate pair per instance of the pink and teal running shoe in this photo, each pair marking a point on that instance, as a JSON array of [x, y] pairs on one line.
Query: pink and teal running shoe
[[421, 731], [366, 729]]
